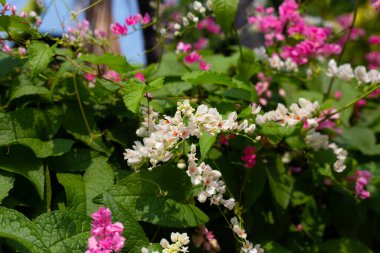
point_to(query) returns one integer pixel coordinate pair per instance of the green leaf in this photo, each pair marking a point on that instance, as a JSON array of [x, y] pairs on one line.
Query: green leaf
[[3, 2], [40, 55], [9, 64], [201, 77], [28, 90], [20, 160], [136, 238], [313, 220], [225, 12], [276, 132], [155, 199], [273, 247], [247, 66], [80, 191], [17, 27], [205, 143], [64, 231], [33, 128], [15, 226], [280, 183], [134, 92], [343, 246], [254, 186], [6, 184], [116, 62], [362, 139], [75, 124], [156, 84]]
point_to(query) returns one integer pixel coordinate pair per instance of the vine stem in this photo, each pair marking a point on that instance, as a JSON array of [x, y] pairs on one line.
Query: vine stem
[[87, 71], [344, 46], [81, 108], [351, 103]]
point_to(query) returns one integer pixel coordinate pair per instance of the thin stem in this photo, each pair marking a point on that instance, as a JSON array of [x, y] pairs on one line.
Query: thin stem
[[239, 44], [81, 108], [344, 46], [351, 103], [87, 71]]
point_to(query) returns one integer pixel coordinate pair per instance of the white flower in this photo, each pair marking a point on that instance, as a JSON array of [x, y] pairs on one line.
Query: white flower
[[345, 72], [255, 108], [332, 69], [229, 203], [361, 74], [197, 5], [374, 76]]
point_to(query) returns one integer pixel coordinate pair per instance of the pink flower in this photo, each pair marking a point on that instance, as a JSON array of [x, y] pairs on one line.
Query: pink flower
[[113, 76], [133, 20], [23, 14], [89, 77], [99, 33], [119, 29], [201, 44], [105, 236], [362, 179], [249, 157], [204, 66], [140, 76], [192, 57], [146, 19], [374, 40], [183, 47], [299, 228], [338, 95], [22, 51], [210, 25], [375, 4]]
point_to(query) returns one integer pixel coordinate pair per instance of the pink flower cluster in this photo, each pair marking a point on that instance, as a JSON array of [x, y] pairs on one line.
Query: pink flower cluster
[[192, 57], [105, 236], [330, 122], [249, 157], [262, 89], [81, 33], [205, 238], [7, 8], [345, 22], [112, 76], [224, 140], [290, 23], [373, 57], [133, 20], [362, 178], [375, 4], [209, 25]]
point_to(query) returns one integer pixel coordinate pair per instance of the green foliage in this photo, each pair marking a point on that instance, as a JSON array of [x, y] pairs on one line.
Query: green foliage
[[205, 143], [225, 12], [40, 55], [51, 232], [280, 183], [150, 197], [115, 62]]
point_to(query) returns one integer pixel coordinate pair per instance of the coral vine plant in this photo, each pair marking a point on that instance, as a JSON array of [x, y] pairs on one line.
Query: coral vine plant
[[254, 137]]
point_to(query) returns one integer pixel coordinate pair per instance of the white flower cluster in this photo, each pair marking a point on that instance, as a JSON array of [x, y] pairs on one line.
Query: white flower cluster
[[275, 61], [149, 122], [166, 134], [247, 245], [178, 245], [190, 17], [346, 73], [319, 141], [213, 187], [304, 110]]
